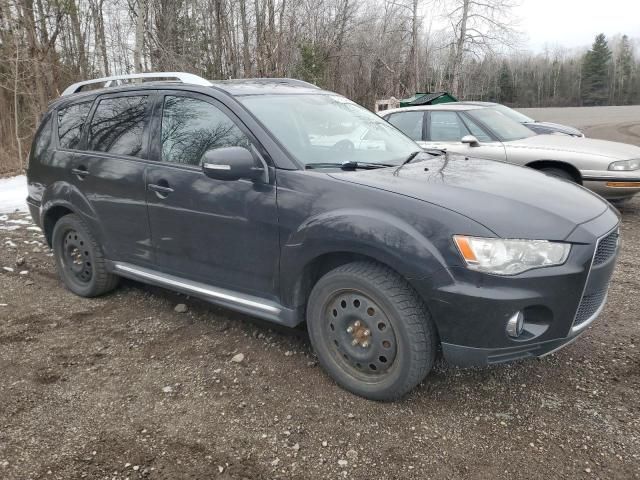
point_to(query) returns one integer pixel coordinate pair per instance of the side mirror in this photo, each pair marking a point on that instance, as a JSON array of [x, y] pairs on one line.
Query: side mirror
[[470, 140], [231, 163]]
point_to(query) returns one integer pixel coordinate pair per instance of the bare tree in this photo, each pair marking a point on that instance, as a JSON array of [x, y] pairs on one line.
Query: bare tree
[[365, 49], [479, 27]]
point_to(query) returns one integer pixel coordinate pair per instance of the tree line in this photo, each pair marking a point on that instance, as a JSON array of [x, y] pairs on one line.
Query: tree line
[[364, 49]]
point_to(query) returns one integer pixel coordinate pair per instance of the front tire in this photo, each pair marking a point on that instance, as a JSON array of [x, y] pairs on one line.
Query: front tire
[[371, 331], [79, 259]]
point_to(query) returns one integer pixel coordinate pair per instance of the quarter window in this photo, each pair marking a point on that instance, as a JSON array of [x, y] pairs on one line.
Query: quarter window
[[117, 126], [409, 123], [70, 122], [192, 127]]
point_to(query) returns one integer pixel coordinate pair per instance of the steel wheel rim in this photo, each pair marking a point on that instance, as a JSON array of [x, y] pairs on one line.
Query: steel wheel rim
[[359, 335], [76, 257]]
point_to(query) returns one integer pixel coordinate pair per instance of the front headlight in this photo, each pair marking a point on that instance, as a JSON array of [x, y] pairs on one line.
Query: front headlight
[[625, 165], [510, 257]]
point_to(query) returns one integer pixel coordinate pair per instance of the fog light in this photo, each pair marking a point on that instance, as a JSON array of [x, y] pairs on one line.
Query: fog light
[[515, 325]]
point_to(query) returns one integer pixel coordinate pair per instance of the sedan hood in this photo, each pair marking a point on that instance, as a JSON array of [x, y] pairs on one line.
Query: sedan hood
[[587, 146], [549, 127], [511, 201]]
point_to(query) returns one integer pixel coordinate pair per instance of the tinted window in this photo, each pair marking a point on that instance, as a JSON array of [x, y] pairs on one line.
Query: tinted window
[[446, 127], [410, 123], [43, 139], [191, 127], [70, 122], [117, 126]]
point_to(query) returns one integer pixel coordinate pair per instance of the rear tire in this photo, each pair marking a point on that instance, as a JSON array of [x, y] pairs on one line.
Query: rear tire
[[559, 173], [371, 331], [79, 259]]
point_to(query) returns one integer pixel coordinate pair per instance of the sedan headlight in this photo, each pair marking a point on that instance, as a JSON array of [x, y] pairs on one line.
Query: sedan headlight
[[510, 257], [625, 165]]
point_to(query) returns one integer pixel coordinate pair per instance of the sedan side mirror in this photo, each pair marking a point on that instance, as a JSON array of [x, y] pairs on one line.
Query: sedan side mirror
[[231, 163], [470, 140]]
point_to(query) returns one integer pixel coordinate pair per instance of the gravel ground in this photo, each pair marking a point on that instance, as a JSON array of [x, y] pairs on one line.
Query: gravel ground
[[132, 385]]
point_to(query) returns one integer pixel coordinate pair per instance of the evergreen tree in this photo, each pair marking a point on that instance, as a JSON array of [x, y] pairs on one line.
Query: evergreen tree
[[505, 83], [595, 73], [312, 64]]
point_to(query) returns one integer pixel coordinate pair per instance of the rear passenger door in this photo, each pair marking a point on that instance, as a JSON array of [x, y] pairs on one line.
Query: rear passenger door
[[221, 233], [411, 123], [110, 173]]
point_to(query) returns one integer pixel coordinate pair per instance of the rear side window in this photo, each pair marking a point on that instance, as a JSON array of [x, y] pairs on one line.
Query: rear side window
[[70, 122], [192, 127], [43, 139], [117, 126], [409, 123]]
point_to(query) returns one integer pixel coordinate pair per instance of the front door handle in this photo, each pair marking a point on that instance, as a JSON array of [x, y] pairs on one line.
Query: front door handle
[[80, 172], [161, 190]]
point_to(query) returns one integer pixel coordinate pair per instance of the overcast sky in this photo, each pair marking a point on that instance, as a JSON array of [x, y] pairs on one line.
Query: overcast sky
[[574, 23]]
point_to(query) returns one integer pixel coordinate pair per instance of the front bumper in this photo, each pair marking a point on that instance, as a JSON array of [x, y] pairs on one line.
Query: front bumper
[[612, 185], [466, 357], [472, 310]]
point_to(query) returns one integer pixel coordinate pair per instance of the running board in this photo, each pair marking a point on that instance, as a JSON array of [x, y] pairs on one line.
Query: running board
[[240, 302]]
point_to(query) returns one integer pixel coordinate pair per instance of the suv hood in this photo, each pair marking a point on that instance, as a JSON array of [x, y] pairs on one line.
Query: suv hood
[[587, 146], [511, 201]]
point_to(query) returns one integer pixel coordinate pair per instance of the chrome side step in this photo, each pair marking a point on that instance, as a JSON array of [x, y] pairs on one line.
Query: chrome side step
[[241, 302]]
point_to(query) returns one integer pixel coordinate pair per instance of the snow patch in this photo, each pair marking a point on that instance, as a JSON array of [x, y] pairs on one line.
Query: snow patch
[[13, 194]]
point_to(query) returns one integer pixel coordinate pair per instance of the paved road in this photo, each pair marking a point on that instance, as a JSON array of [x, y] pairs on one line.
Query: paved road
[[620, 124]]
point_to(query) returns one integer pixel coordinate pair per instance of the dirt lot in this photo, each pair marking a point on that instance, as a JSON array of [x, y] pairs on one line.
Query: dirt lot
[[125, 387]]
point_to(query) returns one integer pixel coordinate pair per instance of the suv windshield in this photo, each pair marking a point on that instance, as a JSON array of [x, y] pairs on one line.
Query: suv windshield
[[329, 129], [513, 114], [504, 128]]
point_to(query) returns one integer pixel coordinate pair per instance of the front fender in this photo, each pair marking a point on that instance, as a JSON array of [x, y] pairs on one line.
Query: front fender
[[375, 234]]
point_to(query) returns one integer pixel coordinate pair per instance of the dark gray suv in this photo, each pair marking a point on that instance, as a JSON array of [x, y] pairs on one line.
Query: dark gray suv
[[290, 203]]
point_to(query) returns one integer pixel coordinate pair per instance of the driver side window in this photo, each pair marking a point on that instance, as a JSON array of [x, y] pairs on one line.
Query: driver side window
[[192, 127], [446, 127]]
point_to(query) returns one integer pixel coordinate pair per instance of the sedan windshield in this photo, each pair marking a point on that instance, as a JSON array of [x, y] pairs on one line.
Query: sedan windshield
[[503, 127], [513, 114], [324, 129]]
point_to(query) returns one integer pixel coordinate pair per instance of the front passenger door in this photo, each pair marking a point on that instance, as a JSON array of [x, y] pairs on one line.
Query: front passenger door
[[445, 129], [219, 232]]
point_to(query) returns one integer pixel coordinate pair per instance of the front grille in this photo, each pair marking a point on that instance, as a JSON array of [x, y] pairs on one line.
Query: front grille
[[589, 305], [606, 248]]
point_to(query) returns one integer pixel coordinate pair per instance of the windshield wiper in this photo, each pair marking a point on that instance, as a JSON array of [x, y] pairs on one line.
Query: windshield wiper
[[349, 165], [352, 165], [409, 159]]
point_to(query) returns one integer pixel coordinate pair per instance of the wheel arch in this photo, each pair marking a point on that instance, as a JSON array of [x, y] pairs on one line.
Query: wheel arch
[[332, 239], [567, 167], [51, 217], [63, 198]]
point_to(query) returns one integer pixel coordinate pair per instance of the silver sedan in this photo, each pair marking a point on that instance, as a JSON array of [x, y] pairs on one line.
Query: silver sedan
[[610, 169]]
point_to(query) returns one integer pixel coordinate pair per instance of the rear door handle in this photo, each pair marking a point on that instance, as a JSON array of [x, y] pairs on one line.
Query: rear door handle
[[161, 190], [80, 172]]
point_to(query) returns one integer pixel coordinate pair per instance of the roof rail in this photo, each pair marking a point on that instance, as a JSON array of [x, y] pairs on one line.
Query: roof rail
[[117, 80], [289, 81]]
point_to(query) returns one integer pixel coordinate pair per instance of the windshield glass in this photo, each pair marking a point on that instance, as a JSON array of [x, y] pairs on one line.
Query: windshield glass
[[502, 126], [320, 128], [513, 114]]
